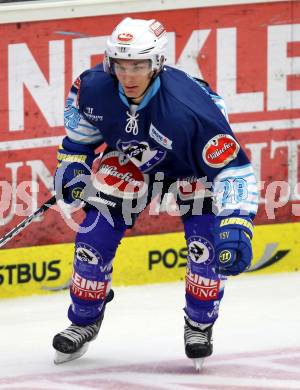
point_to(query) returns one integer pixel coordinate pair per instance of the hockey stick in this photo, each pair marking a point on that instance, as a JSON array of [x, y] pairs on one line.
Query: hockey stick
[[27, 221]]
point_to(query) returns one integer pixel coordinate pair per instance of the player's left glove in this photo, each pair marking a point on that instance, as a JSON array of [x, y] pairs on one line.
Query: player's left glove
[[73, 171], [232, 240]]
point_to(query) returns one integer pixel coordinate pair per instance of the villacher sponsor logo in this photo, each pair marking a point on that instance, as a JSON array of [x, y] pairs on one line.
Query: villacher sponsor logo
[[120, 178], [113, 171], [218, 153], [220, 150]]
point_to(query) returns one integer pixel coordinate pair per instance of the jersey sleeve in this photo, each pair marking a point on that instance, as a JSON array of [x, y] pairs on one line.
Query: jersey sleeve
[[217, 99], [235, 191], [218, 154], [78, 128]]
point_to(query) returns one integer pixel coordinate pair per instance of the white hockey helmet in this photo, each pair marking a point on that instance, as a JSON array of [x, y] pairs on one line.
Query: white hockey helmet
[[137, 39]]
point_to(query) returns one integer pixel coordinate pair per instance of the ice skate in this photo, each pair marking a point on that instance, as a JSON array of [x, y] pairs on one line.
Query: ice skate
[[73, 342], [198, 343]]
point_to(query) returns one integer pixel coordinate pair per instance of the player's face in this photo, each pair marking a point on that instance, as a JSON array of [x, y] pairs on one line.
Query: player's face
[[134, 76]]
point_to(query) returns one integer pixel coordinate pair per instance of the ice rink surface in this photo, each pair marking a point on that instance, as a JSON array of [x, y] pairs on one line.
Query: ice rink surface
[[140, 345]]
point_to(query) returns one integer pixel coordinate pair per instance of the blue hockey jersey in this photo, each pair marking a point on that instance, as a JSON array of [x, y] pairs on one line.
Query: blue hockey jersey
[[178, 129]]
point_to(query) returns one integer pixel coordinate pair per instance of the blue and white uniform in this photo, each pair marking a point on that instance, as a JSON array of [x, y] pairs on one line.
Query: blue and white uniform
[[179, 129]]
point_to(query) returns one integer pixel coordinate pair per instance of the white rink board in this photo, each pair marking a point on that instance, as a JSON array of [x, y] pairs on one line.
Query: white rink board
[[48, 10], [140, 346]]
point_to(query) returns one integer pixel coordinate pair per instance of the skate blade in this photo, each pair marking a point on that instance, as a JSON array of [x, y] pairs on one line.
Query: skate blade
[[198, 363], [61, 357]]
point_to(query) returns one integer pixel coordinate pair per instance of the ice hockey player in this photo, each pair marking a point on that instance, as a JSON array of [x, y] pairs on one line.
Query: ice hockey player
[[165, 131]]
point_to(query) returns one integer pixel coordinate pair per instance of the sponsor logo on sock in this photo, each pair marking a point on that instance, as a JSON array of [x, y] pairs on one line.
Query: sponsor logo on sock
[[202, 288], [89, 290]]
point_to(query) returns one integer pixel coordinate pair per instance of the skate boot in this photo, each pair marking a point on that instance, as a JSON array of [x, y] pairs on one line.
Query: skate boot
[[73, 342], [198, 342]]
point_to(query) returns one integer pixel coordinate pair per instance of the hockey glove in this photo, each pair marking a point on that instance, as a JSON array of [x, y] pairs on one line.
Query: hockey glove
[[232, 240], [73, 171]]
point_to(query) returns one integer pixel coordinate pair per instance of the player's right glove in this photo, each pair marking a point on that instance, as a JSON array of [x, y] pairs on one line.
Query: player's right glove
[[232, 240], [73, 171]]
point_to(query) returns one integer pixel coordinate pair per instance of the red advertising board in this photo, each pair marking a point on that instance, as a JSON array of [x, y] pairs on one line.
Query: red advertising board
[[249, 53]]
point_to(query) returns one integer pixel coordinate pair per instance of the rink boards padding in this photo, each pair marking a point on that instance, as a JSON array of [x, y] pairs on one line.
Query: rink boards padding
[[249, 53], [139, 260]]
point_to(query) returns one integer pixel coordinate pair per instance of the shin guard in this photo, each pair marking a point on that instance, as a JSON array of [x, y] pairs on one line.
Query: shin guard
[[204, 288], [94, 254]]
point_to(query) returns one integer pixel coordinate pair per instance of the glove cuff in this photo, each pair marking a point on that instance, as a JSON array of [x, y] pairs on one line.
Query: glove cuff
[[236, 223], [71, 152]]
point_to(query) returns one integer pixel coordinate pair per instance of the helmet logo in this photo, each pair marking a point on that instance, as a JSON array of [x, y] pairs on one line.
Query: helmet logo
[[125, 37], [157, 28]]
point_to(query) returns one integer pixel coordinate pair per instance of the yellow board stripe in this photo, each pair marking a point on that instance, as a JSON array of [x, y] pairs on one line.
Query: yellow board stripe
[[139, 260]]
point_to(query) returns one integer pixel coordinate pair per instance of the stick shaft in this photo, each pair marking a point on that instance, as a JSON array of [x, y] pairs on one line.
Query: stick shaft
[[27, 221]]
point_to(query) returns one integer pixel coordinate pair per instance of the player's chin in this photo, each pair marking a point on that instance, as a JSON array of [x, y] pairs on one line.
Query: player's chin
[[131, 92]]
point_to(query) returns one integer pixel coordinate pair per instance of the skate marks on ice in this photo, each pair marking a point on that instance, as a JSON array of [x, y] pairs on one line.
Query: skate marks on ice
[[263, 370]]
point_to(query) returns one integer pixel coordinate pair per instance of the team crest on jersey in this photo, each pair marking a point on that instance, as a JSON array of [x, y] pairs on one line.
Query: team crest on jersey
[[200, 250], [141, 154], [220, 150]]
